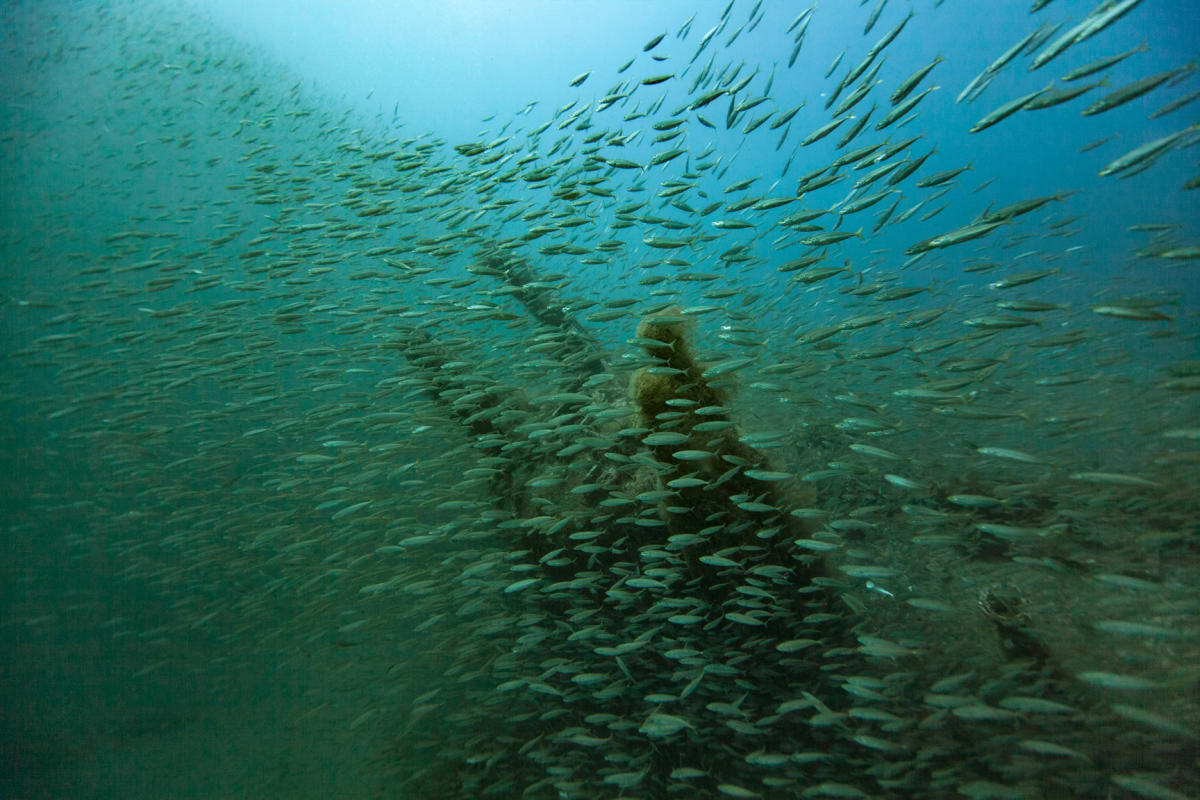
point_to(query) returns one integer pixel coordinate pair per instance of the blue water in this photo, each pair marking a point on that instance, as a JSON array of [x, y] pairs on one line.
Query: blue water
[[462, 70]]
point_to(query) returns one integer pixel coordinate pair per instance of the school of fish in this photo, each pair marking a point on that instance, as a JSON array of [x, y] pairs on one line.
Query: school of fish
[[657, 476]]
